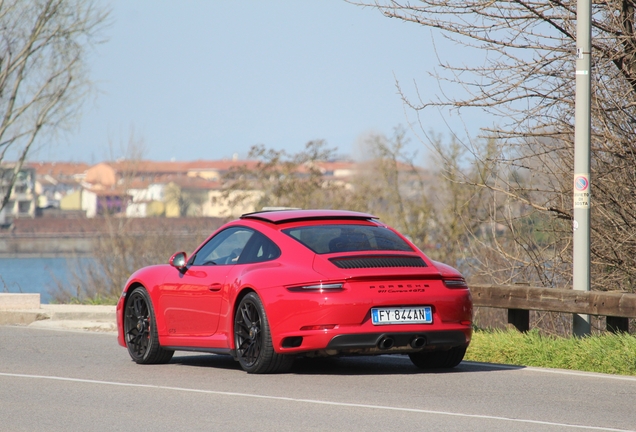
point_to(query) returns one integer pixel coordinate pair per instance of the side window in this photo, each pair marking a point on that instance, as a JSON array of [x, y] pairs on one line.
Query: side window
[[258, 249], [223, 248]]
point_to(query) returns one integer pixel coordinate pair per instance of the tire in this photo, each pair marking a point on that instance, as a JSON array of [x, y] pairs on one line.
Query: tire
[[438, 359], [253, 340], [140, 330]]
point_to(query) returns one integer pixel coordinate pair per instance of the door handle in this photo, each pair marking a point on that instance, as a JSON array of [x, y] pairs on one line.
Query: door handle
[[215, 287]]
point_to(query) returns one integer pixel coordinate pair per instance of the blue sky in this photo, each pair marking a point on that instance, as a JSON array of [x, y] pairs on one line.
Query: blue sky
[[209, 79]]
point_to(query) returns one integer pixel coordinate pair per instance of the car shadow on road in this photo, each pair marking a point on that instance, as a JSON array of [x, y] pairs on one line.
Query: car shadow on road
[[382, 365], [205, 360], [363, 365]]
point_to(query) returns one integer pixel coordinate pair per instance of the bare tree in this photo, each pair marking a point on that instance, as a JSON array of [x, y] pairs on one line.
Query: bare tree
[[286, 180], [187, 201], [390, 185], [126, 244], [524, 78], [427, 205], [124, 247], [43, 74]]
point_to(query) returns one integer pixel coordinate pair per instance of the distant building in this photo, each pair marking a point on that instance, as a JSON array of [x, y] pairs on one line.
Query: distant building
[[97, 202], [147, 200], [22, 197], [142, 188], [233, 205], [171, 189], [109, 174], [72, 201], [55, 180]]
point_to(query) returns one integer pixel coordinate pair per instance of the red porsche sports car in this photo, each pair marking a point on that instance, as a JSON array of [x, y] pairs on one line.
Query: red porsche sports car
[[274, 285]]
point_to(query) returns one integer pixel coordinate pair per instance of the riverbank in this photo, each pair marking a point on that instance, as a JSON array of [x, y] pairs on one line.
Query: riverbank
[[44, 255], [77, 237], [47, 245]]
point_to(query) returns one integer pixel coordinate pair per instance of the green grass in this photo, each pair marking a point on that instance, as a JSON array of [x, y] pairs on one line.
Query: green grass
[[607, 353]]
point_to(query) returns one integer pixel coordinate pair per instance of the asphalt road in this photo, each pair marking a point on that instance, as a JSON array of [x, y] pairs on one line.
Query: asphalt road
[[71, 381]]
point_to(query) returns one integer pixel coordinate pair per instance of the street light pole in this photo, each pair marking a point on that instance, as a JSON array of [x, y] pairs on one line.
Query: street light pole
[[582, 128]]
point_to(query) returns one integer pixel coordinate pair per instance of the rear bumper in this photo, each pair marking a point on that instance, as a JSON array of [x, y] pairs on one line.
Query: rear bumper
[[389, 341], [432, 340], [341, 322]]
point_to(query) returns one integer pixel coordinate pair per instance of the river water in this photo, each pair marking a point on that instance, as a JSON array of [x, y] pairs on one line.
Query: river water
[[36, 275]]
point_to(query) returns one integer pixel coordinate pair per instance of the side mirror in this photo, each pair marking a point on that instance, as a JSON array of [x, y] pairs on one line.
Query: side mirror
[[178, 260]]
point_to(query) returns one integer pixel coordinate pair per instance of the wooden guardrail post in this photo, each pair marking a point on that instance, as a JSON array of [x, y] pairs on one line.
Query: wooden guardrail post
[[520, 319], [617, 324]]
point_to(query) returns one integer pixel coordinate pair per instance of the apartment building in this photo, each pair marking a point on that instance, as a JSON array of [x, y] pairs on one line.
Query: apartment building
[[23, 195]]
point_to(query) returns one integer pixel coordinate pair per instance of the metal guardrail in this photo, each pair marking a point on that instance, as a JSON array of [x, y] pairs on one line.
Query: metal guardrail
[[618, 307]]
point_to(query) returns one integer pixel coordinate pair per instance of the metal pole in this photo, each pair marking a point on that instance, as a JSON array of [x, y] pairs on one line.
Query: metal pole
[[581, 224]]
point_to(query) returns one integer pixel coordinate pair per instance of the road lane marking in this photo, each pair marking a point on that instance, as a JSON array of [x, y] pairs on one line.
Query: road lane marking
[[553, 371], [311, 401]]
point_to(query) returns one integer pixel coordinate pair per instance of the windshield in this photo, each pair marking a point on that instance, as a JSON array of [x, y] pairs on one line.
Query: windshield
[[347, 238]]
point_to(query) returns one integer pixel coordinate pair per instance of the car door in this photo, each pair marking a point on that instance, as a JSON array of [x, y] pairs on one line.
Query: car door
[[191, 299]]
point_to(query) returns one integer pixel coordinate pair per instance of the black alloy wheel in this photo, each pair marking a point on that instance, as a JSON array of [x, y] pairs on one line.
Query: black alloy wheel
[[253, 340], [439, 359], [140, 330]]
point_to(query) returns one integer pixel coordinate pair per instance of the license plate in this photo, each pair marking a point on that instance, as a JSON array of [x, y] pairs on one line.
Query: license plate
[[402, 315]]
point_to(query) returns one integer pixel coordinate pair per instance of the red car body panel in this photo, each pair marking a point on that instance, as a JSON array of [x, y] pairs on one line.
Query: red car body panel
[[194, 308]]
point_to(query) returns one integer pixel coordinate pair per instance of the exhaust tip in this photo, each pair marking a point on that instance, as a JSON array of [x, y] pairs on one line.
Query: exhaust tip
[[418, 342], [385, 343]]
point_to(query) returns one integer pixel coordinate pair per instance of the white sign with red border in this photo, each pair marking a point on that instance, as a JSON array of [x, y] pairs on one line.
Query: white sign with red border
[[582, 190]]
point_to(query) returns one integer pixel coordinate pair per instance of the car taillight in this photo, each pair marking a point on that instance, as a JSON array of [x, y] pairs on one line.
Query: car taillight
[[320, 287], [455, 283], [319, 327]]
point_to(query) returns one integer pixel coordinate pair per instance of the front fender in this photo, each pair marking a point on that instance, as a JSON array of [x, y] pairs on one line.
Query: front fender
[[151, 279]]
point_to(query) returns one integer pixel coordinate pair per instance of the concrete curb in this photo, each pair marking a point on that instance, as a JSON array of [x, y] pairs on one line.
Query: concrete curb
[[12, 301], [63, 317], [21, 317]]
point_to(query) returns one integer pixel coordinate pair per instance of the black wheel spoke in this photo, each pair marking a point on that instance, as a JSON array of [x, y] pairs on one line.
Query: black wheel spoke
[[249, 353], [247, 321], [242, 333], [137, 307]]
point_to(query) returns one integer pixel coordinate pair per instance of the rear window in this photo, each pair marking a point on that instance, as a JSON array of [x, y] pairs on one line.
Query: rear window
[[347, 238]]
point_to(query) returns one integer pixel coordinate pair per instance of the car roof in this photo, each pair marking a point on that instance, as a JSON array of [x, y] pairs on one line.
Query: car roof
[[295, 215]]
